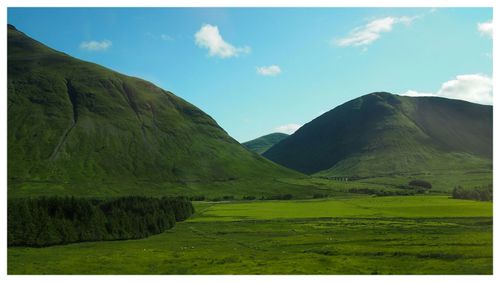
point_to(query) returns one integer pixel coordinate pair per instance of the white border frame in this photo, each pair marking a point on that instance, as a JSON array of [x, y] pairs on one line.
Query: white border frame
[[4, 4]]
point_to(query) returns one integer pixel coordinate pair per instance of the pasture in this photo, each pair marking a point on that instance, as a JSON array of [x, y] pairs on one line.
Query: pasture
[[361, 235]]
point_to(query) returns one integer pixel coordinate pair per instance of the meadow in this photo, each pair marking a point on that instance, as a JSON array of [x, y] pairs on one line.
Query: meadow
[[344, 235]]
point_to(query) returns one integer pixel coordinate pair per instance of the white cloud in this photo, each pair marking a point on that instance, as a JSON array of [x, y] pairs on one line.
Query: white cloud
[[269, 70], [95, 45], [367, 34], [406, 20], [486, 29], [209, 37], [413, 93], [476, 88], [288, 128]]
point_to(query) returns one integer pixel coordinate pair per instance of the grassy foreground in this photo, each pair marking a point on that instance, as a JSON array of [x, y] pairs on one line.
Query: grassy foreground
[[363, 235]]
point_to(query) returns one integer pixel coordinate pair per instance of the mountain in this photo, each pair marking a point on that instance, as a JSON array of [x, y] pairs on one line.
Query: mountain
[[385, 134], [74, 125], [263, 143]]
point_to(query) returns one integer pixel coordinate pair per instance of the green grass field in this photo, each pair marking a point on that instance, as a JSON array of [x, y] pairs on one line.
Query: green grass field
[[361, 235]]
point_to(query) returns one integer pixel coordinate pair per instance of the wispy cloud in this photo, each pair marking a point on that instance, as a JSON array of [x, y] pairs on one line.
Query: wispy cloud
[[269, 70], [476, 88], [369, 33], [166, 37], [486, 28], [162, 36], [288, 128], [95, 45], [209, 37]]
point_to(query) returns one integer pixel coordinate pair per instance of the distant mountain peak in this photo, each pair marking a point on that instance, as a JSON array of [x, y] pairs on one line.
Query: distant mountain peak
[[263, 143]]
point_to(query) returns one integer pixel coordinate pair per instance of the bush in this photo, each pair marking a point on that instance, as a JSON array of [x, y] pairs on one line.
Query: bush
[[319, 196], [379, 192], [368, 191], [44, 221], [420, 183], [197, 198], [249, 198], [280, 197], [483, 193]]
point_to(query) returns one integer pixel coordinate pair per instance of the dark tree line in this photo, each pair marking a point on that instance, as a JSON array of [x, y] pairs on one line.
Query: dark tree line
[[247, 197], [49, 221], [381, 192], [278, 197], [483, 193], [319, 195], [420, 183]]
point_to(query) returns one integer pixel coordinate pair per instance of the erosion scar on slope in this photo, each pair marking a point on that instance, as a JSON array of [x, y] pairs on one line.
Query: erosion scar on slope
[[130, 97], [74, 103]]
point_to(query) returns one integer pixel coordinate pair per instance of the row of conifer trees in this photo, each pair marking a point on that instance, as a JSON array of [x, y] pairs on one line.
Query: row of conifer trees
[[49, 221]]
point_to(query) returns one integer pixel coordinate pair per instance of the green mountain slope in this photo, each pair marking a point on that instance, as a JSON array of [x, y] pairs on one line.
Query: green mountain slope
[[385, 134], [263, 143], [73, 123]]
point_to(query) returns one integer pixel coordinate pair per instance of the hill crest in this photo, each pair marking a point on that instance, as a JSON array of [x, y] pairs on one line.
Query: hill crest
[[261, 144], [383, 133], [73, 122]]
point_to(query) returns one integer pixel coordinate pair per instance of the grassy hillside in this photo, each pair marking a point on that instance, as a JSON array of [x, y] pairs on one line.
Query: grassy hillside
[[382, 134], [75, 125], [263, 143]]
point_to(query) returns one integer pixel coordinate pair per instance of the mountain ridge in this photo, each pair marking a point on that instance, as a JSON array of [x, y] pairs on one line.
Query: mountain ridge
[[383, 133], [71, 121]]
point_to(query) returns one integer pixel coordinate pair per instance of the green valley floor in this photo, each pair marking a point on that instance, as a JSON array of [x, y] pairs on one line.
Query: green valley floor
[[360, 235]]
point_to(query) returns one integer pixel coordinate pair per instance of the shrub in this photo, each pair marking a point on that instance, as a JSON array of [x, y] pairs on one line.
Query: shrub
[[319, 196], [420, 183], [197, 198], [379, 192], [280, 197], [363, 191], [483, 193]]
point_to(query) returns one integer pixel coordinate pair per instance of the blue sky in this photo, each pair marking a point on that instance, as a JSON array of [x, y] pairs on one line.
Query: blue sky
[[261, 70]]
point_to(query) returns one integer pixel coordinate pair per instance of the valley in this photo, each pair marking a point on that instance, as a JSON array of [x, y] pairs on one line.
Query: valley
[[346, 235], [382, 184]]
